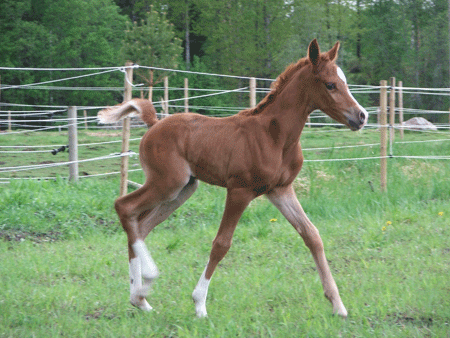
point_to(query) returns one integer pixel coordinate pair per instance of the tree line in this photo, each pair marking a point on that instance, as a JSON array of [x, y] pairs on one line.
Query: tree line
[[408, 39]]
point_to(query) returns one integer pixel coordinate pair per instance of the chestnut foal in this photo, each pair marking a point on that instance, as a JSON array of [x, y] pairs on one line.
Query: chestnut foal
[[252, 153]]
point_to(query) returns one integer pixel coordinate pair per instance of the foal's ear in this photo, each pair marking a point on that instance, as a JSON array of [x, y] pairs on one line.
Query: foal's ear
[[333, 52], [314, 52]]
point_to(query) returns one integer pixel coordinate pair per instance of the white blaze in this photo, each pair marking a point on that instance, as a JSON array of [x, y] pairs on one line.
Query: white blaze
[[343, 78], [341, 74]]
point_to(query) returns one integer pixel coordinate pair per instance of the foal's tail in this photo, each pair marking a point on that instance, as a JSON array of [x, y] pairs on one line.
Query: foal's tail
[[141, 107]]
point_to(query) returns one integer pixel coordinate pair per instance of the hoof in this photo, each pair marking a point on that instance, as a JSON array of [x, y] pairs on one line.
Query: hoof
[[340, 310], [338, 306], [141, 303], [201, 313]]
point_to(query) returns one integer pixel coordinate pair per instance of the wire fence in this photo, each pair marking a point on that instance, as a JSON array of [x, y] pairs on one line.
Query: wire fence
[[26, 119]]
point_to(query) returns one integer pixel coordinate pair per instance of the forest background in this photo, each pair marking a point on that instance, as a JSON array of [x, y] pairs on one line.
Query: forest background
[[407, 39]]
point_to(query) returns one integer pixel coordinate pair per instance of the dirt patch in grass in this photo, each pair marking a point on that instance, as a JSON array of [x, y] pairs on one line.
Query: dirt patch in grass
[[98, 314], [302, 184], [323, 175], [419, 169], [403, 319], [20, 236]]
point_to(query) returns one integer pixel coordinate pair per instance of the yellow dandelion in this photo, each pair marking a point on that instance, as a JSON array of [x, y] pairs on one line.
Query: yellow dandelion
[[383, 229], [273, 220], [441, 213], [388, 223]]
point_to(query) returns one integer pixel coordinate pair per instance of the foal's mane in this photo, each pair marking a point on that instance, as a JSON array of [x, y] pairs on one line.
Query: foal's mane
[[276, 87]]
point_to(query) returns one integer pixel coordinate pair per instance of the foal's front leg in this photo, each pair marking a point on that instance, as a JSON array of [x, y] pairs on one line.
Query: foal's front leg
[[237, 201], [286, 201]]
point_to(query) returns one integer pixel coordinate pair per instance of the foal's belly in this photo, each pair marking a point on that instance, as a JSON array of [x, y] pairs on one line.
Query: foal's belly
[[205, 173]]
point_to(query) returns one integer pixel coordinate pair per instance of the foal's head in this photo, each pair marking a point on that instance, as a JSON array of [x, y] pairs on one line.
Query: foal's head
[[330, 91]]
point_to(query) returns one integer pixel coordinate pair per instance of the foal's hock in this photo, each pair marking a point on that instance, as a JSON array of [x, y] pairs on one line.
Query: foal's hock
[[252, 153]]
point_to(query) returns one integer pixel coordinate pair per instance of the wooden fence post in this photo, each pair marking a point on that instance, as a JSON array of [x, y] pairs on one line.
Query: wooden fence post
[[85, 119], [166, 96], [186, 95], [126, 130], [252, 87], [392, 111], [150, 88], [73, 144], [383, 135], [9, 121], [400, 107]]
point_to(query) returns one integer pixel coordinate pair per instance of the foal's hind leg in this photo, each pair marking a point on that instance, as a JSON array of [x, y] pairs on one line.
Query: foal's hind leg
[[286, 201], [139, 287], [165, 209], [139, 213], [129, 207]]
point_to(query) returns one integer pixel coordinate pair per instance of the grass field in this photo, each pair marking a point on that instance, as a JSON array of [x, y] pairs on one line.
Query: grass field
[[64, 268]]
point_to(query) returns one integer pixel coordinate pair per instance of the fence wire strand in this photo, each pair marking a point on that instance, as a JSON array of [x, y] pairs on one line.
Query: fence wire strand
[[356, 89]]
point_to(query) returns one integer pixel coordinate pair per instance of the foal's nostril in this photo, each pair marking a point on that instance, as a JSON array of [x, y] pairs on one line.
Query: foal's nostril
[[362, 117]]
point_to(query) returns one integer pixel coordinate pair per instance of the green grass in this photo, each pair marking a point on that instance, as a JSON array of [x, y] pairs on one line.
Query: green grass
[[64, 268]]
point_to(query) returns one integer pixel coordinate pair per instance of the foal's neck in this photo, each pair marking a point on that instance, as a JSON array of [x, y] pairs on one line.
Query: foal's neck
[[290, 110]]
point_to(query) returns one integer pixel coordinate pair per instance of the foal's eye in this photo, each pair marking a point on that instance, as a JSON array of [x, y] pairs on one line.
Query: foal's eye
[[330, 85]]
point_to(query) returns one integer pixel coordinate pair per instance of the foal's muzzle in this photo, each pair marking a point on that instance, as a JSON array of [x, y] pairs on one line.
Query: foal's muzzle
[[358, 121]]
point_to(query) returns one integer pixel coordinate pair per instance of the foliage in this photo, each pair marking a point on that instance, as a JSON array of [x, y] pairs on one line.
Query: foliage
[[403, 39], [62, 34], [152, 42], [243, 37], [407, 39], [206, 105]]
